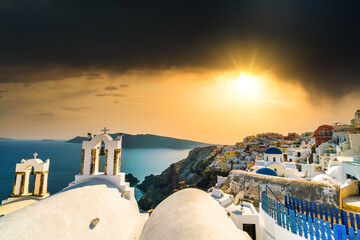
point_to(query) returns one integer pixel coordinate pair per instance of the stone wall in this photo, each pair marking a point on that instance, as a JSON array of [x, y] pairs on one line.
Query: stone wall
[[327, 194]]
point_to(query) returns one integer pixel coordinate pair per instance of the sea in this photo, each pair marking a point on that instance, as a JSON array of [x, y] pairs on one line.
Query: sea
[[65, 162]]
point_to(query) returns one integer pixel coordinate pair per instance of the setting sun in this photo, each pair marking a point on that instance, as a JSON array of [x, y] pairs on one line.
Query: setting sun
[[247, 84]]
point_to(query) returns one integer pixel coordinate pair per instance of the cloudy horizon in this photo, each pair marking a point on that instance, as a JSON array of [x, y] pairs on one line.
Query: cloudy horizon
[[172, 68]]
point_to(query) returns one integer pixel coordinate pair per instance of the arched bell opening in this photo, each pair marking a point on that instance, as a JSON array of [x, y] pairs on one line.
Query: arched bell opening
[[28, 185], [32, 181], [102, 155], [99, 159]]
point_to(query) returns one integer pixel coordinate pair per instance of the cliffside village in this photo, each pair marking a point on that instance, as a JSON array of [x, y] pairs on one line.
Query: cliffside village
[[330, 154], [306, 185]]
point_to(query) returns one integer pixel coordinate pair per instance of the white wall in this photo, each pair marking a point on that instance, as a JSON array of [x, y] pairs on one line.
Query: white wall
[[274, 231], [310, 168], [343, 136], [270, 158], [220, 181], [351, 169], [239, 220]]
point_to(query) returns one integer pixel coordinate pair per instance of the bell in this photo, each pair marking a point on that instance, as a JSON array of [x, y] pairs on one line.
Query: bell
[[102, 151]]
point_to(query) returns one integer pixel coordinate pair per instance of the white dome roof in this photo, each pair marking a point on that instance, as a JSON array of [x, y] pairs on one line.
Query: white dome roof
[[68, 214], [191, 214], [324, 179]]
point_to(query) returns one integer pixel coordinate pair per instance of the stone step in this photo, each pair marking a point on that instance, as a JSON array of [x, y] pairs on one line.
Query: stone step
[[351, 203]]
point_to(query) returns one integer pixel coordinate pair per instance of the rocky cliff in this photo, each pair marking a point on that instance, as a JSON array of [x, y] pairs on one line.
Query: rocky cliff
[[131, 179], [190, 172]]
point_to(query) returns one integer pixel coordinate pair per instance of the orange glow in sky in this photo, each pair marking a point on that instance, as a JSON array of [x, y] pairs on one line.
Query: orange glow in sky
[[210, 106]]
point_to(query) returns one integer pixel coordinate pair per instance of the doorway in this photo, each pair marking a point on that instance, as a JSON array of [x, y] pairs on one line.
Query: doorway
[[251, 230]]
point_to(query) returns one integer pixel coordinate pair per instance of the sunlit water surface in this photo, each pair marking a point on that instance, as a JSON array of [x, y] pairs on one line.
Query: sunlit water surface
[[65, 162]]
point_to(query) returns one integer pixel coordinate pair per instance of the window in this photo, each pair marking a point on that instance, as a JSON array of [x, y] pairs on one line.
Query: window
[[327, 133], [274, 159], [348, 176]]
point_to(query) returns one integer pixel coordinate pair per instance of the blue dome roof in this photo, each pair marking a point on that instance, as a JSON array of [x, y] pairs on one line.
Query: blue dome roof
[[273, 150], [267, 171]]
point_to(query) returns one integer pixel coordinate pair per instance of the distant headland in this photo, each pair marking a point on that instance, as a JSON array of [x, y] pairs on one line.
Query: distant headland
[[149, 141], [5, 139]]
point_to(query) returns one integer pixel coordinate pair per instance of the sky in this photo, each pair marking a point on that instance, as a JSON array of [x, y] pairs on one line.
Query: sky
[[211, 71]]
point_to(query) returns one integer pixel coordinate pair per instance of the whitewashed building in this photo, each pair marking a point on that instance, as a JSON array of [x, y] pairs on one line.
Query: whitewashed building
[[25, 192], [274, 159]]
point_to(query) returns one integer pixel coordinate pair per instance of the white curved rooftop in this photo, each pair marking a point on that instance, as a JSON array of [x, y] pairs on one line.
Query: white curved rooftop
[[324, 179], [191, 214], [68, 215]]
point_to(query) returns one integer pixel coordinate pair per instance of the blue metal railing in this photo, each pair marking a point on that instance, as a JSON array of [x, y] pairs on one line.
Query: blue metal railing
[[311, 224]]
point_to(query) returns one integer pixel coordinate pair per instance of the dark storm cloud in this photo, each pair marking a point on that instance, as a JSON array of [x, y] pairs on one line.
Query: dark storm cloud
[[41, 113], [110, 95], [111, 88], [76, 109], [93, 75], [315, 42]]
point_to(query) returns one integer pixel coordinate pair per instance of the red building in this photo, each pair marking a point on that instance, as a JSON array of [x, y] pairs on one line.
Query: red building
[[323, 134]]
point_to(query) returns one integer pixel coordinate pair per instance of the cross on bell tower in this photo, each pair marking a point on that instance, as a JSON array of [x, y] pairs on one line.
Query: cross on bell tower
[[105, 130], [35, 155]]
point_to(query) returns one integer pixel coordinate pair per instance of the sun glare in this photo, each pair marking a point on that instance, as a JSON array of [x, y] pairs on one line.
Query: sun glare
[[247, 84]]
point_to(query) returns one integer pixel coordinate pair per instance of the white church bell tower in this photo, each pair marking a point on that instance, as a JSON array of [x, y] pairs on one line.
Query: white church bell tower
[[91, 154], [90, 160], [23, 171]]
